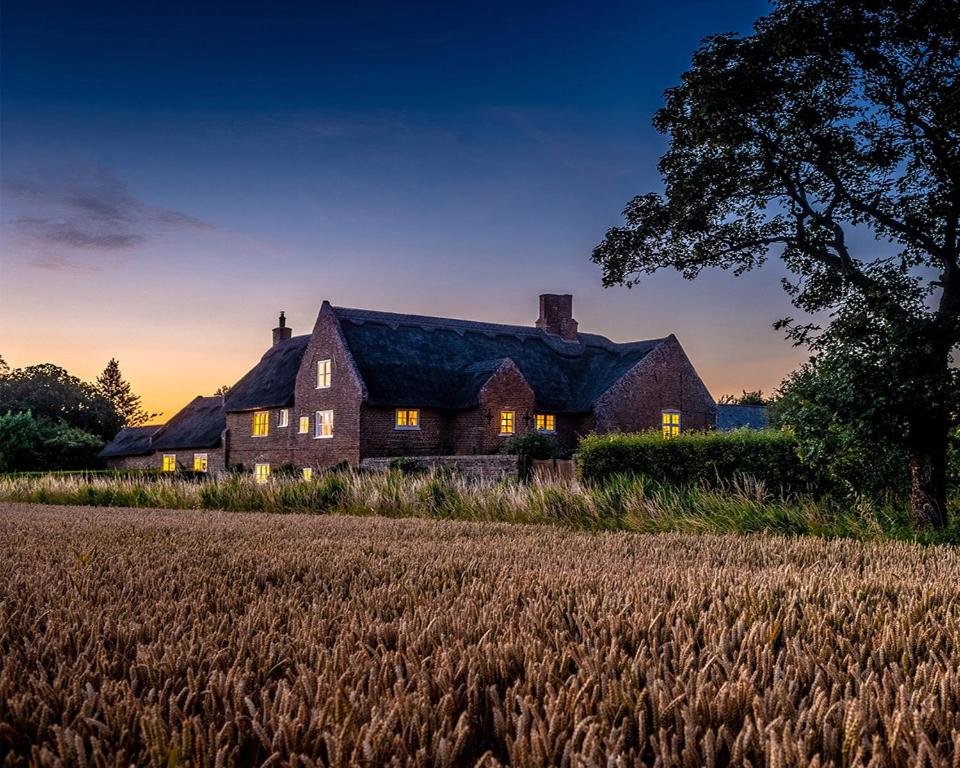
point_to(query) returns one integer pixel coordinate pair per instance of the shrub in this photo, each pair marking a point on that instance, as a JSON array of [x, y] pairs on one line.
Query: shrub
[[406, 465], [705, 458], [533, 445]]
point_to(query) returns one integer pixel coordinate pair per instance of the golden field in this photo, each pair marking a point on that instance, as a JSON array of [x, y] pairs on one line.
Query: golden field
[[207, 638]]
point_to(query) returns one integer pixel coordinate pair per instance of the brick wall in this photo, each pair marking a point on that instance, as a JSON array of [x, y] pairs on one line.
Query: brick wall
[[477, 430], [184, 460], [343, 397], [664, 379], [491, 467], [379, 436]]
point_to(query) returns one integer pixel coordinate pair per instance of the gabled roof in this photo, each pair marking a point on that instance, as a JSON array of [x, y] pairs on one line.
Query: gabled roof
[[198, 425], [443, 363], [270, 383], [130, 441], [730, 417]]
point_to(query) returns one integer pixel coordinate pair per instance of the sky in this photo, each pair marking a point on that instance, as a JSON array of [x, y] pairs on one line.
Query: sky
[[173, 175]]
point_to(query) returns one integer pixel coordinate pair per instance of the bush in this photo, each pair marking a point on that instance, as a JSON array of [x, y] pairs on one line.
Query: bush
[[533, 445], [704, 458], [406, 465]]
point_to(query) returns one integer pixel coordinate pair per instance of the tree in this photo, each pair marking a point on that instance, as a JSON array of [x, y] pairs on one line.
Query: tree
[[746, 398], [832, 120], [53, 395], [4, 367], [118, 391], [21, 439], [222, 391]]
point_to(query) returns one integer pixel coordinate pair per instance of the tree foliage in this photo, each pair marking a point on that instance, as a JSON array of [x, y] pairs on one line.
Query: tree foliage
[[834, 123], [119, 391]]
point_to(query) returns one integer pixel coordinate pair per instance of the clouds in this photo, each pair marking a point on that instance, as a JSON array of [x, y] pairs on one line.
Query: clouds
[[86, 211]]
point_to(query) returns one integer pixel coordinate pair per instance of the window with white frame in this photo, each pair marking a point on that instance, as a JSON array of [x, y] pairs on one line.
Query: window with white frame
[[323, 374], [324, 424], [283, 418], [304, 425], [199, 462], [169, 462], [261, 473], [308, 473]]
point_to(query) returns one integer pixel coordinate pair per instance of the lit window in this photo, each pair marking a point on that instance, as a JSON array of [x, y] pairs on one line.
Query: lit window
[[283, 419], [261, 424], [408, 418], [304, 425], [261, 473], [506, 422], [671, 423], [199, 462], [169, 462], [324, 424], [546, 422], [323, 374], [308, 473]]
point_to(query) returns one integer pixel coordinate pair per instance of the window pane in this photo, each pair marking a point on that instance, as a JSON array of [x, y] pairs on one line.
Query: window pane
[[413, 417]]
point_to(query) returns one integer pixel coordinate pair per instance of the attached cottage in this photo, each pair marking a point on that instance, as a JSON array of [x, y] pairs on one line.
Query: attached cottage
[[366, 384]]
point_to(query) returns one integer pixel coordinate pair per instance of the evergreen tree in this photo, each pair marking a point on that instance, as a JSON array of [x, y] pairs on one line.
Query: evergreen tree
[[119, 392]]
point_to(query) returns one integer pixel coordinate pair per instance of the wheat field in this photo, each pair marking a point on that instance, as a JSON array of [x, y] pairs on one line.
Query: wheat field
[[203, 638]]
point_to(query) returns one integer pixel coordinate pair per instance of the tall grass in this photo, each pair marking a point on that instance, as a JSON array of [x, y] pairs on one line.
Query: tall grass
[[621, 503]]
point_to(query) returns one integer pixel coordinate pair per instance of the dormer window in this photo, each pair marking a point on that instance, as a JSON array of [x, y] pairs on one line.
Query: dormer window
[[407, 418], [545, 422], [323, 374], [261, 424], [670, 423]]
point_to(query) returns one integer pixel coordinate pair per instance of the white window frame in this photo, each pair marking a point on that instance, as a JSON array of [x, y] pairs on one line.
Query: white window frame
[[307, 473], [261, 477], [173, 460], [323, 419], [406, 427], [324, 373], [283, 417], [304, 429], [198, 456]]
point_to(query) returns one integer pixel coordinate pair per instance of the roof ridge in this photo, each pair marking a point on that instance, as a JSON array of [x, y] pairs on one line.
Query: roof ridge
[[481, 326]]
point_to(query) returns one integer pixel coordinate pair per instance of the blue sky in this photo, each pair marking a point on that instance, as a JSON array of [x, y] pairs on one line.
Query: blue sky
[[173, 176]]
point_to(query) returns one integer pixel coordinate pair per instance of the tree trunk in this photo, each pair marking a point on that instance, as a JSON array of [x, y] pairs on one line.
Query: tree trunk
[[928, 482]]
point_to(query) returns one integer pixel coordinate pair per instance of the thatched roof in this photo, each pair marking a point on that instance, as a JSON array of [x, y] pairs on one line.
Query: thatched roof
[[270, 383], [198, 425], [443, 363], [730, 417], [130, 441]]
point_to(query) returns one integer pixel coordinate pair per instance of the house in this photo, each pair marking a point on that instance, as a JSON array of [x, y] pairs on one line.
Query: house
[[191, 440], [365, 384], [731, 417]]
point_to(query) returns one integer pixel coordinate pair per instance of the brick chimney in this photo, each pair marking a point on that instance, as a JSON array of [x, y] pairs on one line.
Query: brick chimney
[[556, 315], [281, 332]]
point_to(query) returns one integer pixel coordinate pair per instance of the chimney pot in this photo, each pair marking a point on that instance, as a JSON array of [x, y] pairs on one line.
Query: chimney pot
[[281, 332], [556, 315]]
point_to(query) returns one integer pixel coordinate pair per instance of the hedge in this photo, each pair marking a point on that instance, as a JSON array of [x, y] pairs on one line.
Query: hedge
[[769, 456]]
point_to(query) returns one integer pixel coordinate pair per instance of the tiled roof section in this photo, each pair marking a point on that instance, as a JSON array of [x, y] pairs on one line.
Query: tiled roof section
[[131, 441], [730, 417], [198, 425], [443, 363], [270, 383]]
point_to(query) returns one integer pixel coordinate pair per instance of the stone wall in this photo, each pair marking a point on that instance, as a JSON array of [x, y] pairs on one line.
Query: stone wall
[[491, 467]]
